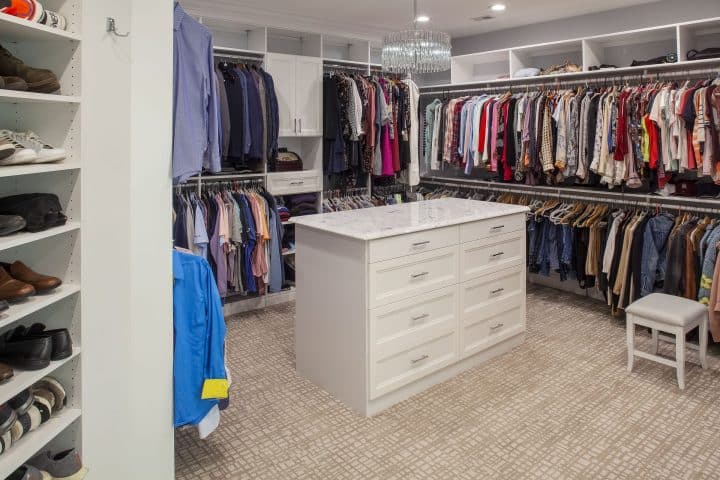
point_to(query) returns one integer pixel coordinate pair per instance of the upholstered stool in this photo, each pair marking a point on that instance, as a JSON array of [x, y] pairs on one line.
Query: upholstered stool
[[674, 315]]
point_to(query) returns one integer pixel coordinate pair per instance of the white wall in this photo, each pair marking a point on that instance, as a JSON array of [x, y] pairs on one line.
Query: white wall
[[126, 237], [648, 15]]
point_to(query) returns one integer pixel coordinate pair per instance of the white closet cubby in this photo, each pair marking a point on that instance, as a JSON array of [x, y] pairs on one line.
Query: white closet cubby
[[56, 251], [346, 49], [232, 36], [618, 49], [293, 42]]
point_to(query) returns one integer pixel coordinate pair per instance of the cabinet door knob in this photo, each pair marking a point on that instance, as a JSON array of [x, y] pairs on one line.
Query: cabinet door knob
[[300, 121], [295, 128], [418, 360], [419, 275]]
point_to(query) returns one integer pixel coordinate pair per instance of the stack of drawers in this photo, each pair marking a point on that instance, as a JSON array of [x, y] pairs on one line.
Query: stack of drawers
[[440, 296]]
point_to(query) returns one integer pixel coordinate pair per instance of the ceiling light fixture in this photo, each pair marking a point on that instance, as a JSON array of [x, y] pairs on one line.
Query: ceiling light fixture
[[416, 51], [422, 19], [498, 7]]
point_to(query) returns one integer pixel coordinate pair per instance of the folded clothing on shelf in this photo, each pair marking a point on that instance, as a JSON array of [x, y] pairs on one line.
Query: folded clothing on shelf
[[302, 204]]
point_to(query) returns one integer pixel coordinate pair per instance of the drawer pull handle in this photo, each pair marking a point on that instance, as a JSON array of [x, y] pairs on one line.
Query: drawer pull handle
[[499, 290], [420, 275], [418, 360], [420, 317], [499, 254], [297, 183], [498, 326], [420, 244], [499, 227]]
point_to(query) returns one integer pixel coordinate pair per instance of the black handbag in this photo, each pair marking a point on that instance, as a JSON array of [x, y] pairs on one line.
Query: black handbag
[[669, 58], [707, 53], [40, 210]]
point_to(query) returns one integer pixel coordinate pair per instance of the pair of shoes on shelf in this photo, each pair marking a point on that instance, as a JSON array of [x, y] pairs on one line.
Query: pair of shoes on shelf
[[14, 72], [18, 281], [35, 347], [17, 148], [65, 465], [33, 11]]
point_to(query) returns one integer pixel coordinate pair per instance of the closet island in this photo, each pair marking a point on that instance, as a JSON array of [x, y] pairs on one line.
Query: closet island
[[392, 300]]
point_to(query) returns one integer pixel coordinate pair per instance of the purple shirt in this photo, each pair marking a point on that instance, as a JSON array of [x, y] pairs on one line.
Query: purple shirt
[[196, 135]]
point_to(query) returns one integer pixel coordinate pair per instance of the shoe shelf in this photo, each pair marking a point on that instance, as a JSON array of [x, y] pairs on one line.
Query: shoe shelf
[[24, 379], [19, 239], [19, 170], [33, 442], [18, 311], [13, 96], [16, 29]]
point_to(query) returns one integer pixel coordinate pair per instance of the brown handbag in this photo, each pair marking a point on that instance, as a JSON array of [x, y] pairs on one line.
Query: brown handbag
[[288, 161]]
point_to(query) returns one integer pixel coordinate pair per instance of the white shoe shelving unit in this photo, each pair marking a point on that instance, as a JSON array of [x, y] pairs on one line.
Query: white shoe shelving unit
[[56, 118], [619, 49]]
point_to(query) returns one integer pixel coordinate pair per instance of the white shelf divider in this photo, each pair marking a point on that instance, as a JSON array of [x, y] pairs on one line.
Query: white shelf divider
[[18, 311], [33, 442], [23, 238], [19, 30], [14, 96], [24, 379]]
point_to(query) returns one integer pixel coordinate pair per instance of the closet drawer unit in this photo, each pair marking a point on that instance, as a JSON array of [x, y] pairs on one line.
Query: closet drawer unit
[[410, 365], [406, 277], [290, 183], [489, 255], [486, 333], [412, 322], [492, 228], [410, 244]]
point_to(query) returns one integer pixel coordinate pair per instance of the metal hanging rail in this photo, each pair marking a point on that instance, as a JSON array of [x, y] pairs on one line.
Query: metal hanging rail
[[711, 206], [607, 77]]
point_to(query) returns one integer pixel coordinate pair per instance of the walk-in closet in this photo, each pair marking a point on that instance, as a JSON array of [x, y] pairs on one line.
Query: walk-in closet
[[359, 240]]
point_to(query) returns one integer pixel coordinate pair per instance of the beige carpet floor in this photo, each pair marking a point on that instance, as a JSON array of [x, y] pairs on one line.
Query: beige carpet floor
[[559, 407]]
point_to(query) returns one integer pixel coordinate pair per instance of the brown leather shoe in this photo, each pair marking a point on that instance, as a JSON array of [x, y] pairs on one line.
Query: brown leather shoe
[[14, 83], [11, 289], [6, 373], [41, 283], [37, 79]]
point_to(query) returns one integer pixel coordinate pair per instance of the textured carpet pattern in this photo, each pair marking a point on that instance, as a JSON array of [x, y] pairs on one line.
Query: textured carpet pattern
[[560, 406]]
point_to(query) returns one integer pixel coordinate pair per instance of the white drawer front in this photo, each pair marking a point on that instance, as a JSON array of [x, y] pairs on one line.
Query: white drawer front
[[490, 255], [492, 228], [406, 324], [395, 280], [406, 367], [491, 310], [289, 183], [410, 244]]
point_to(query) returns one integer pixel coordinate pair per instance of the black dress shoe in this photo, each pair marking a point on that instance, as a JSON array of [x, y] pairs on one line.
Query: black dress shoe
[[7, 418], [22, 402], [11, 224], [60, 338], [25, 353]]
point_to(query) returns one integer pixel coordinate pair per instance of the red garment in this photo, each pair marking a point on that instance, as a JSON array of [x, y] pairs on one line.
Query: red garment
[[396, 145], [654, 152], [483, 129], [621, 149]]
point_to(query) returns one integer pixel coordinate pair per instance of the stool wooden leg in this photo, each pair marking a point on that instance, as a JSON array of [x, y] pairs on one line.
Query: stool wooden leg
[[630, 343], [703, 342], [655, 341], [680, 357]]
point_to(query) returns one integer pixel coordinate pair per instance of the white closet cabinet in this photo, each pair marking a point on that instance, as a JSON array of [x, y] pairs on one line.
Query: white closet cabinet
[[298, 85]]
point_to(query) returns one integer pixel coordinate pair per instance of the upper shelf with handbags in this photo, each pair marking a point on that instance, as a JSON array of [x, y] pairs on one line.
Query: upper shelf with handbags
[[681, 43]]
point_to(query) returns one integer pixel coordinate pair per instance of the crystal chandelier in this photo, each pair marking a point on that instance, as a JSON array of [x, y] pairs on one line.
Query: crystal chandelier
[[416, 51]]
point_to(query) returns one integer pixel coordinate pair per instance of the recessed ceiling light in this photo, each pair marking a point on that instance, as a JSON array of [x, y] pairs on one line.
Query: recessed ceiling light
[[422, 19], [498, 7]]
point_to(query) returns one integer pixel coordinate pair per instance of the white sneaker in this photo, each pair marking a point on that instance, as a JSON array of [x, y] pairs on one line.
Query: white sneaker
[[45, 153], [23, 154]]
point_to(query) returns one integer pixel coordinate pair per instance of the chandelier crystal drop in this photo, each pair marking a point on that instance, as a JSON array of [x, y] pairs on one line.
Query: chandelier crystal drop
[[416, 50]]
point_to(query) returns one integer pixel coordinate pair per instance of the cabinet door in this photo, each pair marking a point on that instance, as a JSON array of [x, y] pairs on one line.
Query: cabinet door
[[282, 68], [309, 96]]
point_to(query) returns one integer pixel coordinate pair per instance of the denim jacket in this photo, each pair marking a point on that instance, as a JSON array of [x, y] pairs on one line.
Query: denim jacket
[[708, 269], [654, 256]]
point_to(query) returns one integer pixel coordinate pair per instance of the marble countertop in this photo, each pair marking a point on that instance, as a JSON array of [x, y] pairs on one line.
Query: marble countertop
[[391, 220]]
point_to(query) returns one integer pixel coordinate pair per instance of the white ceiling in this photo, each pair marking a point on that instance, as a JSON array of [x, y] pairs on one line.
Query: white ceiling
[[373, 18]]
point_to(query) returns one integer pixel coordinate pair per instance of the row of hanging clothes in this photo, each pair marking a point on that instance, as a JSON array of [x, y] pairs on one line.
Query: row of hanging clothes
[[608, 134], [249, 113], [370, 128], [625, 251], [359, 198], [237, 228]]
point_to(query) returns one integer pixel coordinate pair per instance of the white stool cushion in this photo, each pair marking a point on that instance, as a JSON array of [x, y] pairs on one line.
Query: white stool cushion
[[676, 311]]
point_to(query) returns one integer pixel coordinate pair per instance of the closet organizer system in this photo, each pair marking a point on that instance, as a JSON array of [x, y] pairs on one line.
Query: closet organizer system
[[298, 63], [56, 251], [596, 154]]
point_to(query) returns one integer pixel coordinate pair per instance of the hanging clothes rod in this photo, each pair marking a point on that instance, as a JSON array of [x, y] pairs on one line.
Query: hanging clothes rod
[[693, 204], [344, 67], [231, 57], [607, 77]]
